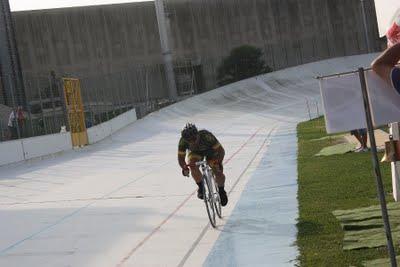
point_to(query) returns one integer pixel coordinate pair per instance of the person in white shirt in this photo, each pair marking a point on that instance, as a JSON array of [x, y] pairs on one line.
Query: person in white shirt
[[12, 126], [16, 119]]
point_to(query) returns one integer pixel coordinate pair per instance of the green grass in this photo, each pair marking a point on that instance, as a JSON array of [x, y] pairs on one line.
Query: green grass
[[384, 128], [326, 184]]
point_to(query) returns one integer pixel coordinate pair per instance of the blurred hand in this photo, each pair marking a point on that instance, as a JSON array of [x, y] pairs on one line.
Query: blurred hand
[[186, 171]]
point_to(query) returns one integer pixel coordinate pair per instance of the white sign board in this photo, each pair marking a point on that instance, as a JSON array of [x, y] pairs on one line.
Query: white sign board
[[344, 106], [343, 103], [386, 12]]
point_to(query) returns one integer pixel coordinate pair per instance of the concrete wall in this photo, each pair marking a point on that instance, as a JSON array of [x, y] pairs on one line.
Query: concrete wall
[[104, 39], [87, 40], [34, 147], [104, 130], [290, 32]]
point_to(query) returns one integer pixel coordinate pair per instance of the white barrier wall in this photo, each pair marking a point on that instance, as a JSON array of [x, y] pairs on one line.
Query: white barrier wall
[[10, 152], [39, 146], [101, 131], [29, 148]]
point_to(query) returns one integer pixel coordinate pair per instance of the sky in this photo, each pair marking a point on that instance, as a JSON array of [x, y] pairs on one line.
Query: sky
[[19, 5]]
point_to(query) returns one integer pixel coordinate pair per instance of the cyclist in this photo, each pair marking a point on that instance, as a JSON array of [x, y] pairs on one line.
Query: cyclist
[[202, 144]]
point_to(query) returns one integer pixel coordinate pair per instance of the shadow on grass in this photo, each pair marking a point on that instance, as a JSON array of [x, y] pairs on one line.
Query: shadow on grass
[[307, 228]]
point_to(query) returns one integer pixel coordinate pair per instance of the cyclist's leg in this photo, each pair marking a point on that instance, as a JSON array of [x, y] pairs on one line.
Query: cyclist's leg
[[218, 170], [196, 174], [194, 170]]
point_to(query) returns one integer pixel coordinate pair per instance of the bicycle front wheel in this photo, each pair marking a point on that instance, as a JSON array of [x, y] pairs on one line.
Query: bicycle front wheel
[[209, 199], [217, 199]]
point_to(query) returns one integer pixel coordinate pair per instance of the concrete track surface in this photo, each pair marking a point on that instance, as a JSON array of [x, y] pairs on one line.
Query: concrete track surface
[[123, 202]]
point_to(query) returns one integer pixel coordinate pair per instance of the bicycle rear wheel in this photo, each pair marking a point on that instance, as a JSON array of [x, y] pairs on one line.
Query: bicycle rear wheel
[[209, 200]]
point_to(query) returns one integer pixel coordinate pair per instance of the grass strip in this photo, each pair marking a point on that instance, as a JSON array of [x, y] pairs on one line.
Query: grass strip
[[336, 182]]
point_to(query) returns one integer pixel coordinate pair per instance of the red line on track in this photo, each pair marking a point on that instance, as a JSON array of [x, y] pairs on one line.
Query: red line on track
[[240, 148], [155, 230]]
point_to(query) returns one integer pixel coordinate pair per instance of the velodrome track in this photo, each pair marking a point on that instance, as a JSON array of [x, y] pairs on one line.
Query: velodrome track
[[123, 202]]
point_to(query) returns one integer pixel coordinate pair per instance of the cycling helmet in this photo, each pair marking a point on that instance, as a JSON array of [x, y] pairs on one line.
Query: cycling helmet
[[189, 131]]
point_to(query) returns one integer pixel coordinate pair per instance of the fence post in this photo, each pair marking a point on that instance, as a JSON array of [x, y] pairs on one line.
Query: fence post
[[316, 104], [119, 93], [104, 99], [147, 90], [98, 105], [53, 106], [29, 110], [377, 171], [41, 105], [308, 108], [131, 87], [1, 132], [88, 88]]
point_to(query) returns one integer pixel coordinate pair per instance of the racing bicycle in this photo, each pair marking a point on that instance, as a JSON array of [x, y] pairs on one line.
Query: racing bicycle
[[211, 194]]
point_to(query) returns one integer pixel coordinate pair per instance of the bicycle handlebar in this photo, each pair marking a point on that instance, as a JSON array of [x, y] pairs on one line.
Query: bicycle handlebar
[[202, 162]]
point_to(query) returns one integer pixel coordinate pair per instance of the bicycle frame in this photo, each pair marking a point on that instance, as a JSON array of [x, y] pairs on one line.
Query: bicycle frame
[[205, 168], [211, 194]]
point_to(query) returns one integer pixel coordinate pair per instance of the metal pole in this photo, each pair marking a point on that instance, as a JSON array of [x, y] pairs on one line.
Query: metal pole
[[105, 98], [377, 170], [119, 93], [365, 25], [130, 86], [124, 95], [137, 77], [192, 82], [316, 103], [53, 105], [89, 89], [9, 57], [37, 83], [308, 108], [112, 92], [29, 109], [166, 52], [147, 90], [1, 132], [339, 74], [98, 105]]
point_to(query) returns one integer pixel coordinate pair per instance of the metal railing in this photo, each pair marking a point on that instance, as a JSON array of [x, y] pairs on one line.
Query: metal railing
[[104, 96]]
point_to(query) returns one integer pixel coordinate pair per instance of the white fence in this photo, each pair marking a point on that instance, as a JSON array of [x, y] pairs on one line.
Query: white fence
[[39, 146], [102, 131]]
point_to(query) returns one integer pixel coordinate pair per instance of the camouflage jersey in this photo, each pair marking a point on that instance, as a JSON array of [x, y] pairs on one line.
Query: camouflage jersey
[[205, 147]]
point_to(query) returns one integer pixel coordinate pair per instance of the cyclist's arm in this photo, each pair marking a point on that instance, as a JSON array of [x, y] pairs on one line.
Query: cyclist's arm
[[181, 159], [182, 147], [219, 152], [384, 64]]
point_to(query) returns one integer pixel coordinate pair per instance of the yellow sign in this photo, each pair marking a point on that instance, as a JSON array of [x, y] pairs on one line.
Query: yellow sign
[[76, 115]]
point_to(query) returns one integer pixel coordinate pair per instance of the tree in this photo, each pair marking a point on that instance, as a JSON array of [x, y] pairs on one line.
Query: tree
[[243, 62]]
